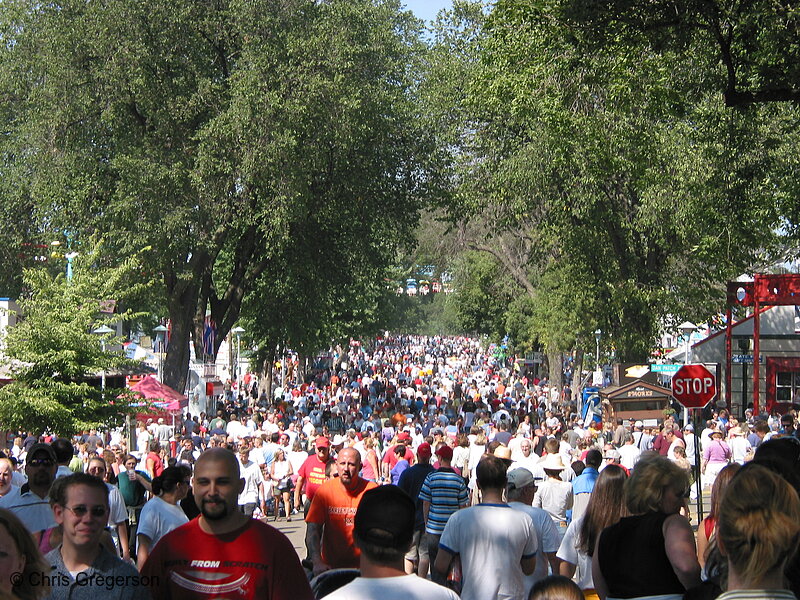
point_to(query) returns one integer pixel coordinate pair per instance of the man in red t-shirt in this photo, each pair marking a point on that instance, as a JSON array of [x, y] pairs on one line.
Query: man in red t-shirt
[[329, 522], [313, 472], [223, 553]]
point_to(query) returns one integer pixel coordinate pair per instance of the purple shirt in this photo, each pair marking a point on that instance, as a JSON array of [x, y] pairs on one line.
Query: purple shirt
[[717, 452]]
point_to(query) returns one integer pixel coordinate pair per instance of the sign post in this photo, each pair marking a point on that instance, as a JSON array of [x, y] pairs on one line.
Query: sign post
[[694, 386]]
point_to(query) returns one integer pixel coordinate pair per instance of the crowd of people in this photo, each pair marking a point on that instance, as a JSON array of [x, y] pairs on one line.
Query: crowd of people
[[422, 468]]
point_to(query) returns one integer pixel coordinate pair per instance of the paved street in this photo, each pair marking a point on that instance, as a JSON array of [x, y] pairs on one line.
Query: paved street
[[295, 531]]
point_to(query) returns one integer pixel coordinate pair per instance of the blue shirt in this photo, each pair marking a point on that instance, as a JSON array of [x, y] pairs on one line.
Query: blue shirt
[[584, 483], [446, 492]]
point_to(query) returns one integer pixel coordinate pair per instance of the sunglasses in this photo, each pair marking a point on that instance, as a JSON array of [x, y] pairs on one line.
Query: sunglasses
[[81, 510], [41, 462]]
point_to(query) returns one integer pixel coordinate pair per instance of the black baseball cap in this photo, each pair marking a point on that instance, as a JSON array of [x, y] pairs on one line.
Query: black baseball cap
[[386, 517]]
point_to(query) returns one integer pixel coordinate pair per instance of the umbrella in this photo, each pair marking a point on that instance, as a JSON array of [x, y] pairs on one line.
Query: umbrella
[[162, 396]]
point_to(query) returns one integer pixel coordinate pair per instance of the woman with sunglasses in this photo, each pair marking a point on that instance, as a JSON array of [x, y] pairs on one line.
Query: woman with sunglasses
[[162, 514]]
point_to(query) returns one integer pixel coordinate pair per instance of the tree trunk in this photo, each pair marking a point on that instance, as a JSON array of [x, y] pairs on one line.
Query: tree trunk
[[555, 365], [577, 374], [176, 363]]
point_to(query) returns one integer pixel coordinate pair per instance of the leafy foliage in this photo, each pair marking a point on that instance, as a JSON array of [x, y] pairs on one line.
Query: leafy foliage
[[53, 353], [226, 134], [611, 192]]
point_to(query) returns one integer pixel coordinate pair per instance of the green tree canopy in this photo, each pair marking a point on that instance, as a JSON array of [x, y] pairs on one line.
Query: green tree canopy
[[52, 351], [610, 192], [221, 133]]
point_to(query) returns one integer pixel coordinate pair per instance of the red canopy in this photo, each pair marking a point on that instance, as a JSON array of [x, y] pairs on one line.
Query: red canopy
[[163, 396]]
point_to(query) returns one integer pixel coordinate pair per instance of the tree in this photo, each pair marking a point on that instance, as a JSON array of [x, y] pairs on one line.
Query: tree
[[599, 188], [748, 51], [53, 353], [222, 133]]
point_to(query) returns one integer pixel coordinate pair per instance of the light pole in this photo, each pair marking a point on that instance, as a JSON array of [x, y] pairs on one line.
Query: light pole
[[161, 333], [597, 335], [238, 331], [687, 329], [103, 331]]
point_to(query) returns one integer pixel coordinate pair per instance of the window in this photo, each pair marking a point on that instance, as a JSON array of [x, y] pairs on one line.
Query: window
[[786, 387], [638, 405]]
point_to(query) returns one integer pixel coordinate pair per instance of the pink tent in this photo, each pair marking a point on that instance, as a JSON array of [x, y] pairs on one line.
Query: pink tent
[[162, 396]]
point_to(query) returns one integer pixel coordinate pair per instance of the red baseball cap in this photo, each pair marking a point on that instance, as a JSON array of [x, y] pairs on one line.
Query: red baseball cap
[[445, 452], [424, 450], [322, 442], [403, 436]]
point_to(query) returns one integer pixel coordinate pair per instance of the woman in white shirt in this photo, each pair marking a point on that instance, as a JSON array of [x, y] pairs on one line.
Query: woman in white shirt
[[162, 514], [606, 507], [280, 474]]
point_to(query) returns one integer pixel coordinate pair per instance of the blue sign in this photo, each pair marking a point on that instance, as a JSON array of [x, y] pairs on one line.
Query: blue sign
[[664, 368]]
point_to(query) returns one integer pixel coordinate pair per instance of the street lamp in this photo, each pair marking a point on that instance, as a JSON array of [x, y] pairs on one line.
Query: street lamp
[[103, 331], [161, 333], [687, 329], [238, 331], [597, 335]]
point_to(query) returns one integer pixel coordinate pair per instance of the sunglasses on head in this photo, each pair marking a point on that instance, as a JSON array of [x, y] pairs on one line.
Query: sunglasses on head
[[41, 462]]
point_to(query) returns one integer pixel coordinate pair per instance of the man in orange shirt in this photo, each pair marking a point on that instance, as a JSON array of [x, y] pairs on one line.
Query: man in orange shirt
[[330, 519]]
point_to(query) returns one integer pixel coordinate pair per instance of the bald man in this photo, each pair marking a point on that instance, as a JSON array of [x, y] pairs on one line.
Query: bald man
[[223, 551], [329, 523]]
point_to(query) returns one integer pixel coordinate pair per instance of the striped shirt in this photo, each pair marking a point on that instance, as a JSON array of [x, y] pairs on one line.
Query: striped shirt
[[446, 492], [757, 595]]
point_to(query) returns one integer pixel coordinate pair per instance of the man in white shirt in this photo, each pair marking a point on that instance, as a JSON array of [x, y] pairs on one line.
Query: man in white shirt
[[492, 525], [629, 453], [254, 488], [527, 458], [520, 491], [31, 502]]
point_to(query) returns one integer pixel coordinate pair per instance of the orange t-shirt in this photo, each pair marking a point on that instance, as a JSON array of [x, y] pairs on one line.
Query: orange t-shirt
[[334, 507]]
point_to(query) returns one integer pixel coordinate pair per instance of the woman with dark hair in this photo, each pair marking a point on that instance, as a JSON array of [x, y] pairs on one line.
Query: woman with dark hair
[[401, 464], [651, 553], [162, 514], [606, 507]]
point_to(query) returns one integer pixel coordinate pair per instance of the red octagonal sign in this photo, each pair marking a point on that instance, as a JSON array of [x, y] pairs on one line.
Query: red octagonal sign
[[694, 386]]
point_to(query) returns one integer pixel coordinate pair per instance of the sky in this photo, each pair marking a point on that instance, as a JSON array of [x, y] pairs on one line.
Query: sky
[[427, 9]]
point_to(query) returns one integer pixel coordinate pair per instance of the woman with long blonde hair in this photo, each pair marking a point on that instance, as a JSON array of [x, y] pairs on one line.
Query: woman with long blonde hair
[[758, 532]]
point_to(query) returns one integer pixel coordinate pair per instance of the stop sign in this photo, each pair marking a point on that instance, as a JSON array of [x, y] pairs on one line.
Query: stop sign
[[694, 386]]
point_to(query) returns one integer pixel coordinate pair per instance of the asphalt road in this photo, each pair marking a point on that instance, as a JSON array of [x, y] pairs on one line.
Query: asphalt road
[[295, 531]]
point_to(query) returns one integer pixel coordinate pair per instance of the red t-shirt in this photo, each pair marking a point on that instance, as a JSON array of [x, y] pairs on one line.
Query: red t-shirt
[[158, 464], [313, 472], [257, 561], [391, 458], [334, 507]]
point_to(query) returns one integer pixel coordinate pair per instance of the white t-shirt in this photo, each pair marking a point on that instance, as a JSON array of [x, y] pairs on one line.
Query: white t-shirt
[[629, 455], [549, 541], [555, 497], [569, 552], [251, 473], [739, 448], [492, 539], [158, 518], [406, 587]]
